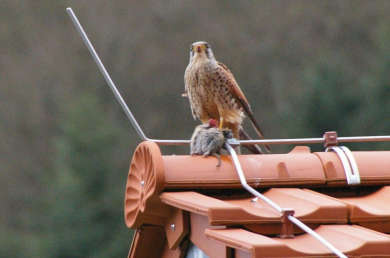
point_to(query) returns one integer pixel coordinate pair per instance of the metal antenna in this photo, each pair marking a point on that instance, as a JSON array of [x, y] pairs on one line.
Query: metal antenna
[[107, 77], [142, 135]]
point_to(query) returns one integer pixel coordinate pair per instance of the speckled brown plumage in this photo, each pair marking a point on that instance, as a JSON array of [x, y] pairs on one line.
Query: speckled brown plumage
[[213, 91]]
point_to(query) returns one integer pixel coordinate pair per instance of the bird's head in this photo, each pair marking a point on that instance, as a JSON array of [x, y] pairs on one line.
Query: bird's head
[[201, 50]]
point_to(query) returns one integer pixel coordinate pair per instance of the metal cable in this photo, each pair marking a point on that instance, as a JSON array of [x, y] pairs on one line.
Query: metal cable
[[293, 219], [317, 236]]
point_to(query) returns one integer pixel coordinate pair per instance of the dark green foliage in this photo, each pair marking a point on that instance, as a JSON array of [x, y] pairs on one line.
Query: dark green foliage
[[330, 100], [86, 213]]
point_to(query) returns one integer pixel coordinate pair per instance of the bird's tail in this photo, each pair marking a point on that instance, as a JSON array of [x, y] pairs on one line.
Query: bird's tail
[[255, 149], [258, 130]]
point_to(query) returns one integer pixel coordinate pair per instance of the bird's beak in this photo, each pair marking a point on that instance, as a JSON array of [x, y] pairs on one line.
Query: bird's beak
[[199, 48]]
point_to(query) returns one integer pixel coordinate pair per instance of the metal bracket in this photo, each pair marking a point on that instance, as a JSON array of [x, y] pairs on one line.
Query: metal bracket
[[349, 163], [287, 230], [330, 139], [233, 142]]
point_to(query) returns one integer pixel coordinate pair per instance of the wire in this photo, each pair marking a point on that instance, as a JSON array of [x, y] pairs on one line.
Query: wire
[[293, 219]]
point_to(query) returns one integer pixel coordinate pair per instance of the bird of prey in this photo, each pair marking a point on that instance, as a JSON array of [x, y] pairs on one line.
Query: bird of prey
[[213, 92], [208, 140]]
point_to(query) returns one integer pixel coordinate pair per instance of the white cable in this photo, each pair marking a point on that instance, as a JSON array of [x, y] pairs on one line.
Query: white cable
[[293, 219], [317, 236], [244, 183]]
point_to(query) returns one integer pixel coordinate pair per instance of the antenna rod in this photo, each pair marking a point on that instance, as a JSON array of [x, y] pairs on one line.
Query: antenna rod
[[106, 76], [382, 138]]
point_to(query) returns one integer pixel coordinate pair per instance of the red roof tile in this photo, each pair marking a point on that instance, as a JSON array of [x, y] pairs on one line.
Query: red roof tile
[[372, 210], [351, 240], [176, 199]]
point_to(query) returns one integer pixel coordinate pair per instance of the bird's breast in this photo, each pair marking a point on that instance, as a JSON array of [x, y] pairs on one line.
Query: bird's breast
[[209, 94]]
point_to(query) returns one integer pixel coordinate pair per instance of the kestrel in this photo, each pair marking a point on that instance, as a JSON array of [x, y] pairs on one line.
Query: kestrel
[[214, 93]]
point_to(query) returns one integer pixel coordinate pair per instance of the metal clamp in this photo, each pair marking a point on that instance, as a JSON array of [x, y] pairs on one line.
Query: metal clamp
[[233, 142], [330, 139], [287, 226], [349, 163]]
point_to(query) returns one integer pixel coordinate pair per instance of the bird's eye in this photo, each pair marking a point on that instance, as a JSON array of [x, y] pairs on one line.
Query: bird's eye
[[207, 45]]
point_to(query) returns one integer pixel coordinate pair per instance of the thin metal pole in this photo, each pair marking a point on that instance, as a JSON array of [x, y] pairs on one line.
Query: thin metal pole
[[287, 141], [383, 138], [243, 181], [317, 236], [170, 142], [106, 76], [293, 219]]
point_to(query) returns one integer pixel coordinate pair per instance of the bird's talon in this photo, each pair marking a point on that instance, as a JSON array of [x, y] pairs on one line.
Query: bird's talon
[[221, 123]]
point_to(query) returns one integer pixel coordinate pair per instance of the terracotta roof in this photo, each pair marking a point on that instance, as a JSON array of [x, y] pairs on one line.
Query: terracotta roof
[[173, 200]]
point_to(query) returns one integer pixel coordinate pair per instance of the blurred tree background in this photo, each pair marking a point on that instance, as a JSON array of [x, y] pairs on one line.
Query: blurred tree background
[[305, 66]]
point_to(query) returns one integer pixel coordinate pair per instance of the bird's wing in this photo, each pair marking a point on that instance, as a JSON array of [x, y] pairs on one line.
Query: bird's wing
[[185, 93], [255, 149], [239, 95], [190, 78], [233, 85]]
